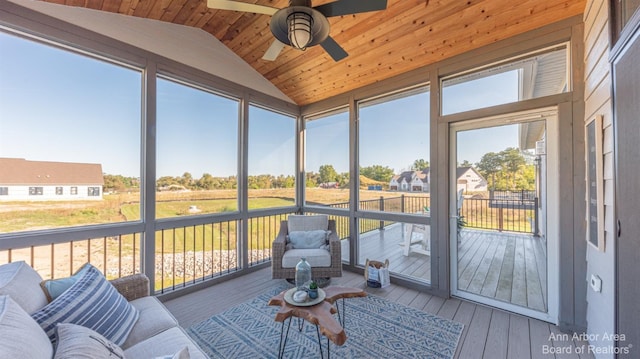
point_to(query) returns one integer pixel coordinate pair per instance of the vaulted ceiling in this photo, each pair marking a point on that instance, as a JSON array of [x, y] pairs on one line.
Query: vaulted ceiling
[[407, 35]]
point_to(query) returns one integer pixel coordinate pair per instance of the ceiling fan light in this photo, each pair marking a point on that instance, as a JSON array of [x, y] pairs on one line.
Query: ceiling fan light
[[300, 26]]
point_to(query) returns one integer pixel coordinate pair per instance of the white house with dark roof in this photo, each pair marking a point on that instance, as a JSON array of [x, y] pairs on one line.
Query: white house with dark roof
[[470, 180], [23, 180], [411, 181]]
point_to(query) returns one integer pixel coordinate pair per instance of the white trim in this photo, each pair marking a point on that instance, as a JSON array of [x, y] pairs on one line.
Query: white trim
[[552, 214]]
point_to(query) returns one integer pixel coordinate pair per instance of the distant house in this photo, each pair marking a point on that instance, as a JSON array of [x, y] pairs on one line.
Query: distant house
[[468, 179], [411, 181], [22, 180], [329, 185]]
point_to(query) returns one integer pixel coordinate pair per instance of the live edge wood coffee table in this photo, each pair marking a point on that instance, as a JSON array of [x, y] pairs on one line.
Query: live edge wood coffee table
[[320, 314]]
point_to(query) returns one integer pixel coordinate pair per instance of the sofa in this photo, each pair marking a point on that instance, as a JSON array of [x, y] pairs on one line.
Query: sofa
[[93, 318]]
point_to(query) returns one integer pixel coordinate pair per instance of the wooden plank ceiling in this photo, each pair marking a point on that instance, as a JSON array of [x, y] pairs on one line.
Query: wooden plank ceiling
[[407, 35]]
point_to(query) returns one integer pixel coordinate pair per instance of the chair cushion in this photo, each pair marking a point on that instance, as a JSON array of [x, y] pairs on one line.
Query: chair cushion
[[78, 342], [308, 239], [154, 318], [20, 335], [22, 283], [307, 223], [92, 302], [316, 257]]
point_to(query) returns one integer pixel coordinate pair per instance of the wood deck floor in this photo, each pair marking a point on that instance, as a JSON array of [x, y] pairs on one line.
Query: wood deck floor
[[506, 266], [488, 333]]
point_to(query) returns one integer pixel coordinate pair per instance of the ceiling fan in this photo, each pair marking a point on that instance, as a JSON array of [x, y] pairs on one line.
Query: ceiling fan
[[300, 25]]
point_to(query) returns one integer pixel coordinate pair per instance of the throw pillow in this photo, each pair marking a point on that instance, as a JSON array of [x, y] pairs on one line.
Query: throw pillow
[[77, 342], [92, 302], [22, 283], [54, 287], [20, 335], [308, 239]]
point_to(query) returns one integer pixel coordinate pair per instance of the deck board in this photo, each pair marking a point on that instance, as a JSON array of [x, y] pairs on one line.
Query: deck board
[[488, 333], [494, 347], [476, 334], [510, 267]]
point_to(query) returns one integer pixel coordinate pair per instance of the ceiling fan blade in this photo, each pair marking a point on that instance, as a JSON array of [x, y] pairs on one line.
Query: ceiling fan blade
[[273, 51], [347, 7], [332, 48], [241, 6]]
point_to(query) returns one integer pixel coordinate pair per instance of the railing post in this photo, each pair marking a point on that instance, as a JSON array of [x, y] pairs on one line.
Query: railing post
[[381, 227], [535, 217], [500, 218], [402, 203]]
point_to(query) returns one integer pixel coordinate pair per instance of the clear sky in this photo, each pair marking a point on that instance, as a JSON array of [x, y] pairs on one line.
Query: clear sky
[[58, 106]]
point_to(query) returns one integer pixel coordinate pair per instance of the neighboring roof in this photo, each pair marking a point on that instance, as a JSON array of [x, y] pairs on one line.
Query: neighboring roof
[[18, 171], [462, 170], [409, 175]]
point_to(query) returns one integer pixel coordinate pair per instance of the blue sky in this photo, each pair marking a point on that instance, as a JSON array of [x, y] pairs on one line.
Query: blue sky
[[58, 106]]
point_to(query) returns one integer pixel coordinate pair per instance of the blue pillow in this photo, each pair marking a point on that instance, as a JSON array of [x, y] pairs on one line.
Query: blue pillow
[[308, 239], [54, 287], [94, 303]]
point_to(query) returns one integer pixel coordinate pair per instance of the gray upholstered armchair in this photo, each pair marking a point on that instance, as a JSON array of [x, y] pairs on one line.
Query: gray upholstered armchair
[[325, 260]]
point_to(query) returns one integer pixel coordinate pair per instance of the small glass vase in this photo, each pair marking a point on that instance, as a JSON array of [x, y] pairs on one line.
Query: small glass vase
[[303, 274]]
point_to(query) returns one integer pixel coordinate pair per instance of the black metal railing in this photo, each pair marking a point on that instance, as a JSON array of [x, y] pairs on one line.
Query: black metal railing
[[187, 254], [116, 256], [501, 214]]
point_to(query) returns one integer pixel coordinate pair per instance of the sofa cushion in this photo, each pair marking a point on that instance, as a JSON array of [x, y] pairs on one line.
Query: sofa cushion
[[308, 239], [22, 283], [54, 287], [307, 223], [78, 342], [20, 335], [182, 354], [166, 343], [316, 257], [154, 318], [91, 302]]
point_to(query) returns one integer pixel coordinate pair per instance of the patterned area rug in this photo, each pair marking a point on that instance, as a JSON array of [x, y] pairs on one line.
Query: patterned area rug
[[375, 327]]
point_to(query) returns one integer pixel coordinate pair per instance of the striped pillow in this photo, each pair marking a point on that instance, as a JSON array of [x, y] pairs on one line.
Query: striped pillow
[[94, 303]]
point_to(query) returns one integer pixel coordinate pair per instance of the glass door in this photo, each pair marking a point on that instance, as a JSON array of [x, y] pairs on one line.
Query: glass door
[[501, 236]]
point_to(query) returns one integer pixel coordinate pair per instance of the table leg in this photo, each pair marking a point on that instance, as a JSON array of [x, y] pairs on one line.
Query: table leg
[[320, 344], [341, 313], [285, 337]]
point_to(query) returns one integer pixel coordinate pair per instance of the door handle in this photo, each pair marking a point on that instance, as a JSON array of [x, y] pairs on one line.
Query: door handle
[[619, 228]]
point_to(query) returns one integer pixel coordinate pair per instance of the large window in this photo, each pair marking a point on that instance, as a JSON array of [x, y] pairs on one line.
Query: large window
[[532, 76], [394, 151], [272, 153], [35, 191], [623, 10], [197, 156], [73, 120], [327, 159], [93, 191]]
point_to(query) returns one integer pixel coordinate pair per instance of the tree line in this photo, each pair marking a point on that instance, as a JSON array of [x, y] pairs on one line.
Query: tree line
[[506, 170]]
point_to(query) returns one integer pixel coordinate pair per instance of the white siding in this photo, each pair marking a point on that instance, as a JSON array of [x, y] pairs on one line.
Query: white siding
[[600, 306], [21, 193]]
